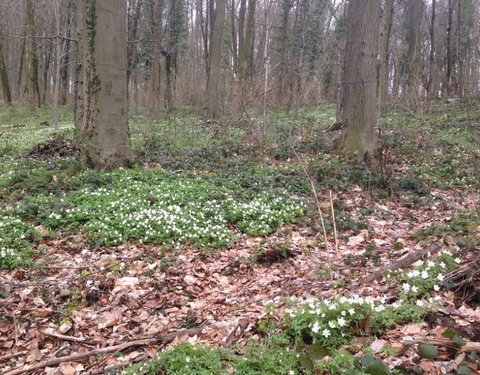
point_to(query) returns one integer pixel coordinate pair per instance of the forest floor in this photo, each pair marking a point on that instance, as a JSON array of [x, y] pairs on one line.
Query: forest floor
[[79, 281]]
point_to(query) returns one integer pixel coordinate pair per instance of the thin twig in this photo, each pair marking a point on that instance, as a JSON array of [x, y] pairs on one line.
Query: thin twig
[[334, 226], [315, 195]]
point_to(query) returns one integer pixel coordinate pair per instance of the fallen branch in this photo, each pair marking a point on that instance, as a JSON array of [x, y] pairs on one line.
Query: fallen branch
[[81, 340], [401, 263], [111, 349], [13, 355]]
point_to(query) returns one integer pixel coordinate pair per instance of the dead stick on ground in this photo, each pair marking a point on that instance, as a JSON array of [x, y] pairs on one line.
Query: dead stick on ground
[[70, 338], [401, 263], [111, 349], [13, 355]]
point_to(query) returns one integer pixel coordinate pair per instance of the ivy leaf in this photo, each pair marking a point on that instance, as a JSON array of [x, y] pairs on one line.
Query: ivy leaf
[[449, 334], [305, 361], [459, 340], [377, 367], [316, 352], [464, 370], [428, 351], [367, 359]]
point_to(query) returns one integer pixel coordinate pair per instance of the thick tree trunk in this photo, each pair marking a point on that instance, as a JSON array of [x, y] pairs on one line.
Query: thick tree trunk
[[105, 129], [360, 80], [33, 89], [414, 21], [215, 58], [385, 54]]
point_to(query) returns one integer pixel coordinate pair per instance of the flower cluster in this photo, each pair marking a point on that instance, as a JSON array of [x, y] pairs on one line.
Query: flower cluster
[[331, 323], [14, 246], [163, 208], [428, 276]]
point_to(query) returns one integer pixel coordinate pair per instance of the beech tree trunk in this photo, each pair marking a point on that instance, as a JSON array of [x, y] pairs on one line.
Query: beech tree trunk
[[155, 66], [431, 66], [7, 93], [105, 120], [33, 88], [360, 80], [79, 69], [215, 58], [414, 21], [385, 57], [448, 78]]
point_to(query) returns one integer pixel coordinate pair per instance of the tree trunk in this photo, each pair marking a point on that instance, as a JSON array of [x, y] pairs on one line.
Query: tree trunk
[[385, 57], [360, 80], [215, 58], [460, 50], [105, 120], [79, 107], [414, 21], [33, 89], [431, 66], [7, 94], [448, 78], [155, 66]]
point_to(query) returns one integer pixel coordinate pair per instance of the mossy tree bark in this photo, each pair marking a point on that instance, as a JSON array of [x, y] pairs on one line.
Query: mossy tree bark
[[360, 80], [105, 121]]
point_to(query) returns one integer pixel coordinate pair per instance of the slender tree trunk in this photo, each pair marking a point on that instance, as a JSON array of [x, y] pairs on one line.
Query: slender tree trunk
[[215, 58], [385, 57], [448, 78], [20, 69], [155, 65], [33, 89], [46, 70], [431, 66], [460, 52], [105, 129], [360, 80], [58, 67], [79, 107], [284, 69], [7, 93]]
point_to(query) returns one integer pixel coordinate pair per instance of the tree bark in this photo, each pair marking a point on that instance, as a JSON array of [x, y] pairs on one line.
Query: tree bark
[[360, 80], [33, 89], [105, 119], [215, 58], [431, 66], [414, 21], [385, 57], [448, 78], [7, 93], [155, 66], [79, 107]]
